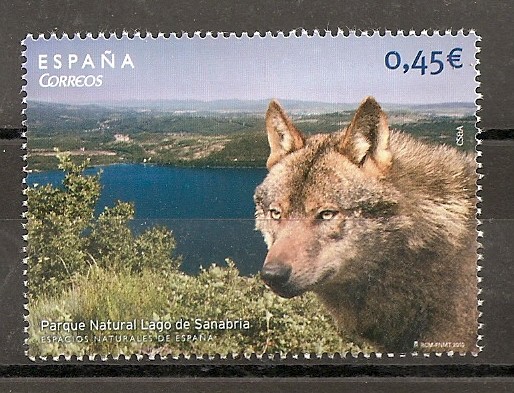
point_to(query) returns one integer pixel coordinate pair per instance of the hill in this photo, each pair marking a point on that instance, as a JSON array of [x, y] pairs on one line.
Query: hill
[[209, 136]]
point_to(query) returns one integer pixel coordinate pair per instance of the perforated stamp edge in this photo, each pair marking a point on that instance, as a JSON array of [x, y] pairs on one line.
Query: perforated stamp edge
[[267, 35]]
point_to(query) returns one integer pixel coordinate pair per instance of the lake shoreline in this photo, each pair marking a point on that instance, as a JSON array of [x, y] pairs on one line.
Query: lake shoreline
[[170, 165]]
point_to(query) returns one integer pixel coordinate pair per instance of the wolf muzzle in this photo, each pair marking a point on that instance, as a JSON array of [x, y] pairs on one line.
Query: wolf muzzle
[[276, 275]]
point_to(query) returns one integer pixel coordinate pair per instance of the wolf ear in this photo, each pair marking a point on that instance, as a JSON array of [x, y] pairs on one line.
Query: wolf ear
[[283, 137], [366, 140]]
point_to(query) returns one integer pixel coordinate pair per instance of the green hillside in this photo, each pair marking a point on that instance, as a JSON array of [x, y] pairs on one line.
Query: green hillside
[[223, 138]]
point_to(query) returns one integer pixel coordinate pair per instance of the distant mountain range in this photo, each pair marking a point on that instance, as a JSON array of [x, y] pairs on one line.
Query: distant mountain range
[[250, 106]]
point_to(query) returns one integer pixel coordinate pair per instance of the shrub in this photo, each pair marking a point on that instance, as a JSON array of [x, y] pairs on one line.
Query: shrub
[[276, 325], [65, 238]]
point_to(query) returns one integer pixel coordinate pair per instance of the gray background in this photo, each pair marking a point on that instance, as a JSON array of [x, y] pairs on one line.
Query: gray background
[[491, 19]]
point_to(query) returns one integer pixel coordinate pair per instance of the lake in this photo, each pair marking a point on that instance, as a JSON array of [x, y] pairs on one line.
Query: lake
[[209, 210]]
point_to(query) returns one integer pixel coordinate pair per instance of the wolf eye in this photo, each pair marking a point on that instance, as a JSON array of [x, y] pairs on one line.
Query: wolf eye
[[274, 214], [327, 215]]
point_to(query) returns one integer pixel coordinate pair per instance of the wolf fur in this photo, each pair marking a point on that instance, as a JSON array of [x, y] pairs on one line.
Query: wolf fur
[[380, 226]]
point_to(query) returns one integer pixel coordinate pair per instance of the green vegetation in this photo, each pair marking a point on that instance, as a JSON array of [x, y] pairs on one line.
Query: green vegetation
[[83, 267], [222, 138], [442, 129]]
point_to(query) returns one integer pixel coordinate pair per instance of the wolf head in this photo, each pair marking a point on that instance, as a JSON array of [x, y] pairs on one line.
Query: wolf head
[[325, 208], [380, 225]]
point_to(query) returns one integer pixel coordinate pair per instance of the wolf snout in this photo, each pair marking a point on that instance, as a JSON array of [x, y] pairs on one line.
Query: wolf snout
[[276, 274]]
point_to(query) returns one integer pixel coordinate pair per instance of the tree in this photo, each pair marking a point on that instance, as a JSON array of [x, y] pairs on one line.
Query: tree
[[65, 237]]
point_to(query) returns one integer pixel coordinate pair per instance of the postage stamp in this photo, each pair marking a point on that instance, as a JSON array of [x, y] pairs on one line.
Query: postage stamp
[[276, 194]]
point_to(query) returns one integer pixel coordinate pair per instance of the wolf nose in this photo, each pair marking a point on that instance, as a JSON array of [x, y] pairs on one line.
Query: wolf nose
[[275, 274]]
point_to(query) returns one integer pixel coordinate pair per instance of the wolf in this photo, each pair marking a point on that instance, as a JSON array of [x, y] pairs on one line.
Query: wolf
[[379, 225]]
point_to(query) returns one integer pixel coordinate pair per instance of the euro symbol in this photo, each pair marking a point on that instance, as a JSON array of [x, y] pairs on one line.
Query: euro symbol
[[454, 58]]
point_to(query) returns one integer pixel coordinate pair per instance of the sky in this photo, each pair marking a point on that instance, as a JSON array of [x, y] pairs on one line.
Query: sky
[[328, 69]]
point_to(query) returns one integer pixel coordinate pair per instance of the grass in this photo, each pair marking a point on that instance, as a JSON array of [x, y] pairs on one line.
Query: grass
[[275, 325]]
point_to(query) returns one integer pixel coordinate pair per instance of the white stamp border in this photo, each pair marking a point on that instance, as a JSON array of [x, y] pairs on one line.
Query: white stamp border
[[97, 358]]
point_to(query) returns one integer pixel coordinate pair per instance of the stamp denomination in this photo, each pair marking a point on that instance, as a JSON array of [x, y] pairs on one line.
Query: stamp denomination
[[250, 195]]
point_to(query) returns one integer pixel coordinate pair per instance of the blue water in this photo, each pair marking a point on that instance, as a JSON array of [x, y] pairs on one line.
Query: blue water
[[209, 210]]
